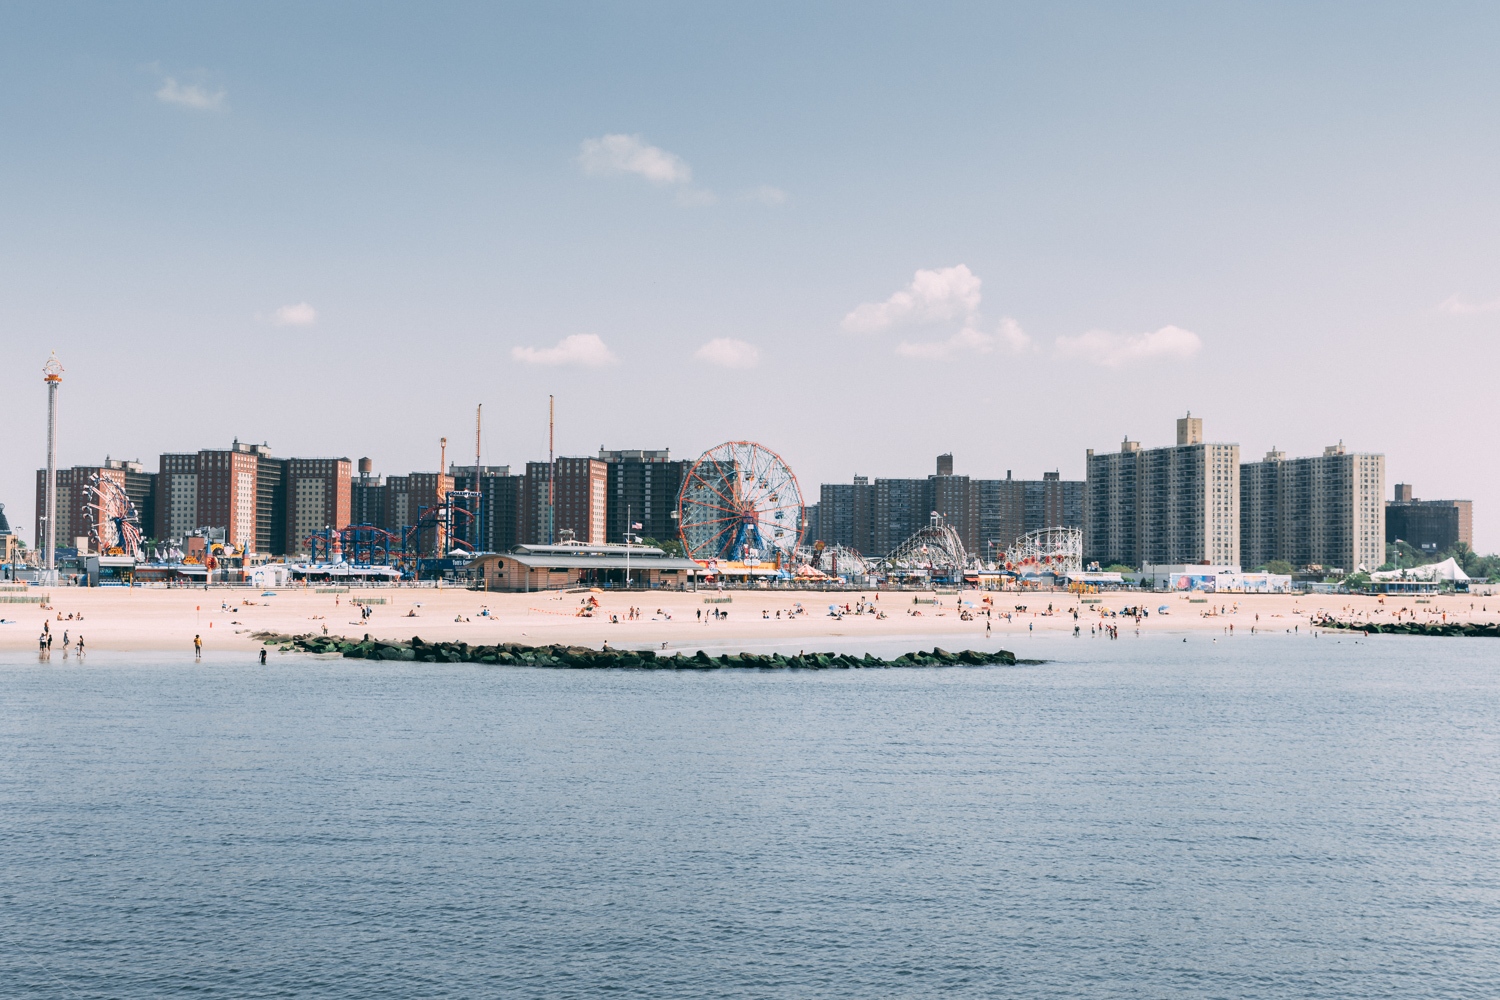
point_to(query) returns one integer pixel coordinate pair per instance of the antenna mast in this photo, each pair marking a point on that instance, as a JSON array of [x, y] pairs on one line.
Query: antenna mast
[[551, 473], [478, 479], [442, 476]]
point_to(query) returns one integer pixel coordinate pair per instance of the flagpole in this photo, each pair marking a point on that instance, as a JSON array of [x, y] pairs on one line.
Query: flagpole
[[627, 546]]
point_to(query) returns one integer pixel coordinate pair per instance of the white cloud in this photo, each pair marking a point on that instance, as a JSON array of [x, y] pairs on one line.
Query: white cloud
[[966, 341], [1456, 306], [630, 154], [583, 349], [766, 195], [969, 340], [944, 294], [727, 352], [1017, 339], [1101, 347], [300, 314], [190, 95]]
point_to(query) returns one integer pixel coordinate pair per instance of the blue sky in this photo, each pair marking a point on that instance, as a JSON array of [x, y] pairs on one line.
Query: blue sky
[[860, 234]]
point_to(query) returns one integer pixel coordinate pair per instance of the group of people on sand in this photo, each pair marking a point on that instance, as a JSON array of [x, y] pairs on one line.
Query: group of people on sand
[[44, 641], [634, 614]]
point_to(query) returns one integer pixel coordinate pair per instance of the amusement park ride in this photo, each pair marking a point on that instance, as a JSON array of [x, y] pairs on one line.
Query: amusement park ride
[[934, 552], [740, 504], [365, 545], [114, 524]]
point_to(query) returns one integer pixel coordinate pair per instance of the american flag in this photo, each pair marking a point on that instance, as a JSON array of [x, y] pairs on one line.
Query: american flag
[[636, 526]]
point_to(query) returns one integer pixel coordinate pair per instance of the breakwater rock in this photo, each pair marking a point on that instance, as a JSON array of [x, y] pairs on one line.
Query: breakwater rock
[[1490, 629], [583, 657]]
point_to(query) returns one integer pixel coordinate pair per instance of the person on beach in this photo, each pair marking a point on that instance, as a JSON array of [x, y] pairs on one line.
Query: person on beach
[[80, 645], [198, 647], [262, 656]]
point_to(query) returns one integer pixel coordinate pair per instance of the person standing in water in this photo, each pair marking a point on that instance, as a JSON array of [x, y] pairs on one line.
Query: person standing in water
[[262, 656], [80, 644], [197, 647]]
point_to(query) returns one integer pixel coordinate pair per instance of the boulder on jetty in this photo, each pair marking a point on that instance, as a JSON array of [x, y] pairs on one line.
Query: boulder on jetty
[[583, 657], [1488, 629]]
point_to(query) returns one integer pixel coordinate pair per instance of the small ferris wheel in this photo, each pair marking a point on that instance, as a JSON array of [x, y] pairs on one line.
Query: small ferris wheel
[[740, 502], [113, 522]]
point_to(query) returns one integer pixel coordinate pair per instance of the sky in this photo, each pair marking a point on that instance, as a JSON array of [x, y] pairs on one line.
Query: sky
[[861, 235]]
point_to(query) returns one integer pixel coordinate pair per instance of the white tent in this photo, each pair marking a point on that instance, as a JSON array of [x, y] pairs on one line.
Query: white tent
[[1447, 571]]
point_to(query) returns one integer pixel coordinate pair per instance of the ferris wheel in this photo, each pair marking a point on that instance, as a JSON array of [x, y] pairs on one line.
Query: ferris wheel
[[740, 502], [113, 522]]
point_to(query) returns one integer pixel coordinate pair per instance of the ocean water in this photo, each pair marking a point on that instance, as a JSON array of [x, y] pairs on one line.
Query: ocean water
[[1275, 816]]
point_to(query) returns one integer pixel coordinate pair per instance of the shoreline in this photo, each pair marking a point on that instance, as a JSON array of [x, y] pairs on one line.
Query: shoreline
[[143, 619]]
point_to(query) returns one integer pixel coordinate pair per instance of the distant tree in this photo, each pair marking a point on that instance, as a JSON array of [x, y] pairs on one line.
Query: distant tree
[[1357, 581], [1464, 556], [1280, 567], [671, 548], [1119, 568]]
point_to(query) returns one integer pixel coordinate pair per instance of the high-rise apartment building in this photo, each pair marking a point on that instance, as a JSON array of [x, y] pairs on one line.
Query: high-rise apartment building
[[270, 501], [537, 527], [227, 496], [498, 510], [367, 496], [318, 497], [1325, 511], [251, 496], [641, 488], [581, 499], [1429, 525], [1164, 505], [73, 521], [901, 506], [176, 496], [954, 499], [1010, 508], [988, 514], [577, 508], [846, 515], [398, 509]]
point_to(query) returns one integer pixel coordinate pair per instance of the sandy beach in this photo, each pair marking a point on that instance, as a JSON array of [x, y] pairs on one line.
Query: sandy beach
[[158, 619]]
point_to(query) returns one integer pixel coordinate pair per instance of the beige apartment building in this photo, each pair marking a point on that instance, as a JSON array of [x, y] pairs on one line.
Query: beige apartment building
[[1326, 511], [1164, 505]]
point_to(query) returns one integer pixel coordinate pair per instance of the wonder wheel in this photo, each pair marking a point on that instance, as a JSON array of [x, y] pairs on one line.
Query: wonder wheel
[[740, 503], [114, 525]]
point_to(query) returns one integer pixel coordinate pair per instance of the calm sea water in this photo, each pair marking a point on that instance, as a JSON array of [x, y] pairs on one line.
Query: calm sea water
[[1267, 817]]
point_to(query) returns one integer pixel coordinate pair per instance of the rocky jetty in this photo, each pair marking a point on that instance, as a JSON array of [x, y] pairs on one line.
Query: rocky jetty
[[516, 655], [1489, 629]]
